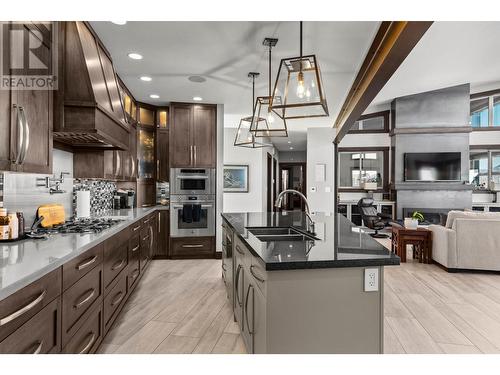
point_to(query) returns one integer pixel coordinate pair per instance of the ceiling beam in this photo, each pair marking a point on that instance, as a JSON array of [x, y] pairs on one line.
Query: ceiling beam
[[392, 44]]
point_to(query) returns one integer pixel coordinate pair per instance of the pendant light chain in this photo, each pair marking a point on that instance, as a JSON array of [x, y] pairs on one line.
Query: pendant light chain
[[253, 94], [270, 71], [301, 41]]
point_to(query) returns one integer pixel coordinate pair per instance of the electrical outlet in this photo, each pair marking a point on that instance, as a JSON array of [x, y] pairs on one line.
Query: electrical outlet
[[371, 279]]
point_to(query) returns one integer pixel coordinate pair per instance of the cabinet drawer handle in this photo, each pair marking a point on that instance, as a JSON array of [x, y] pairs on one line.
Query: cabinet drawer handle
[[136, 228], [254, 275], [146, 221], [26, 135], [20, 136], [90, 294], [250, 331], [135, 274], [236, 287], [151, 237], [135, 249], [81, 266], [238, 249], [118, 265], [117, 300], [191, 246], [92, 338], [23, 310], [224, 267], [37, 348]]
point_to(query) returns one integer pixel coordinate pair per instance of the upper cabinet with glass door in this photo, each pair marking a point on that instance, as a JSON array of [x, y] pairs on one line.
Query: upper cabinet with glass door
[[162, 118], [485, 110], [128, 104]]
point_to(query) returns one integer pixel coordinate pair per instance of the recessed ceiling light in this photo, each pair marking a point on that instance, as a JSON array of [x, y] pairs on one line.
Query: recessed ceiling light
[[146, 79], [197, 98], [291, 148], [289, 142], [121, 23], [135, 56], [154, 96], [197, 79]]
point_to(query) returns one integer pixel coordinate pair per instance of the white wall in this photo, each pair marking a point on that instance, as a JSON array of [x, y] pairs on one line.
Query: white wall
[[256, 159], [491, 137], [292, 156], [219, 202], [320, 151], [366, 140]]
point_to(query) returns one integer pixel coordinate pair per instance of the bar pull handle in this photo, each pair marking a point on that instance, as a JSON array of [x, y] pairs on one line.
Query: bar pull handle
[[89, 343], [118, 265], [23, 309], [84, 265], [254, 275], [85, 300]]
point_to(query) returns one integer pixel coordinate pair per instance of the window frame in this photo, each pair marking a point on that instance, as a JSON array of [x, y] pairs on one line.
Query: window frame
[[490, 150], [490, 95], [385, 166], [385, 114]]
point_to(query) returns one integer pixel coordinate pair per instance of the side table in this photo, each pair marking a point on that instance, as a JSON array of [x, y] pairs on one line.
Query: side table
[[420, 238]]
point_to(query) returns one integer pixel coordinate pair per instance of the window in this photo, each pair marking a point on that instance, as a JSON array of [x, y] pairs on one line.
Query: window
[[484, 169], [485, 110], [479, 113], [478, 169], [372, 123], [357, 166]]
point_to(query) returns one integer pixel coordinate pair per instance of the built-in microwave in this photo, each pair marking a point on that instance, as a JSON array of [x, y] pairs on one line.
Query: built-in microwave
[[192, 181]]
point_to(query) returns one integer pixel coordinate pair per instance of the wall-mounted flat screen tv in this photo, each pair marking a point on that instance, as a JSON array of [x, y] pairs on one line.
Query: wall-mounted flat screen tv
[[433, 166]]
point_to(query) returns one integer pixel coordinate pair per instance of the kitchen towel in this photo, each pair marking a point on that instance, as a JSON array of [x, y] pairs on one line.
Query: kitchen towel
[[83, 204], [187, 213], [196, 213]]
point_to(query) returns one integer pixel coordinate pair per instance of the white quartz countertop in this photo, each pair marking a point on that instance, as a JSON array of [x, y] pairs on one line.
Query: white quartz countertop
[[26, 261]]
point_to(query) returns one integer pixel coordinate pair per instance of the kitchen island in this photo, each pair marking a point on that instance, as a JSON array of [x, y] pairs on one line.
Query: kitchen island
[[293, 292]]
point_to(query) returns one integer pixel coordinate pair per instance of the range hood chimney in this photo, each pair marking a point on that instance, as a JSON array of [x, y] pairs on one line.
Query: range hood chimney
[[88, 107]]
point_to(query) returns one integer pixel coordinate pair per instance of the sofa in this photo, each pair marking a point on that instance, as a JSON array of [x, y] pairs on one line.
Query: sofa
[[469, 241]]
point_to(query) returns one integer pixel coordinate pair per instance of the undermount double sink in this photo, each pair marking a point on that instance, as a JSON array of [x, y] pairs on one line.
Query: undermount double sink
[[268, 234]]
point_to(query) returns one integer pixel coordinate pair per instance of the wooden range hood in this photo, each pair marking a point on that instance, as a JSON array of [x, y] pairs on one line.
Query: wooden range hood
[[88, 108]]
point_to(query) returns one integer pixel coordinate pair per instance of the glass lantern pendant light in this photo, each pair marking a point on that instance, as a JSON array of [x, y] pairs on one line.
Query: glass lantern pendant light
[[273, 125], [298, 91], [244, 137]]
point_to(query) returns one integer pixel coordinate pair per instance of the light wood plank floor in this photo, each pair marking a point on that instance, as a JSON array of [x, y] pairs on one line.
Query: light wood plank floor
[[180, 307]]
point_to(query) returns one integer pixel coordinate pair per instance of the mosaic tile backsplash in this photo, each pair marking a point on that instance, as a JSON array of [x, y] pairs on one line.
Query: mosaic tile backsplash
[[101, 195]]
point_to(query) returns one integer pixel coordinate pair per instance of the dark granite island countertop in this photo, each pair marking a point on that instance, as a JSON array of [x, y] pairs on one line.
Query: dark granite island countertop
[[340, 244]]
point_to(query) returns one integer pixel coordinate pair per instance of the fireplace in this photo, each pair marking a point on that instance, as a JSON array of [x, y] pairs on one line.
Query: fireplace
[[431, 215]]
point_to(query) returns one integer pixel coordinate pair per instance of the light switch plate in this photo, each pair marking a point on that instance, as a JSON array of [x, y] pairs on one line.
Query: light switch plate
[[328, 189], [371, 279]]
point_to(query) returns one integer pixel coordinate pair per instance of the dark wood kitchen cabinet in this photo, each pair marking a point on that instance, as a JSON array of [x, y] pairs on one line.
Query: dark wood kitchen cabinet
[[162, 247], [71, 309], [203, 136], [26, 116], [104, 164], [193, 135], [192, 247], [114, 165], [162, 155], [146, 115], [149, 239]]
